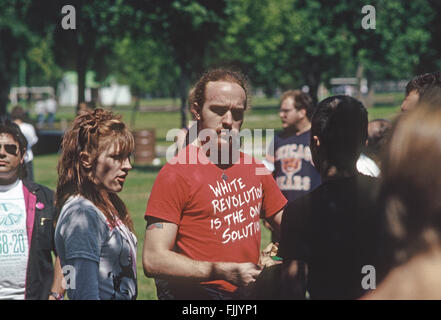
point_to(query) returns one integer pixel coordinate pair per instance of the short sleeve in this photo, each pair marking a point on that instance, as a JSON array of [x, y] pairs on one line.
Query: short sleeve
[[33, 138], [29, 133], [83, 233], [273, 199], [294, 231], [169, 196], [86, 280]]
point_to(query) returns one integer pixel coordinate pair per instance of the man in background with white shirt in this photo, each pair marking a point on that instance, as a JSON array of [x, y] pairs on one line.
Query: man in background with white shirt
[[369, 162], [18, 115]]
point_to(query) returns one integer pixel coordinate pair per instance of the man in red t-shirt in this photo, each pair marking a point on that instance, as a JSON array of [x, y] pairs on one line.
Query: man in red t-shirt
[[202, 238]]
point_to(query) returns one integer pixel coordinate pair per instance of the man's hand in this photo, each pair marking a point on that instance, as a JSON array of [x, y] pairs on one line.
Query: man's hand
[[266, 256], [239, 274]]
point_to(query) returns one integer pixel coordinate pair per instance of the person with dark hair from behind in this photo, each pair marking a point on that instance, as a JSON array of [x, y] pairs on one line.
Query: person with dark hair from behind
[[417, 87], [330, 234], [18, 115], [369, 162], [26, 226], [410, 194]]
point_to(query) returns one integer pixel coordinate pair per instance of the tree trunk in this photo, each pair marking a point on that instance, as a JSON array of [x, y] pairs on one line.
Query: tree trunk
[[135, 110], [84, 51], [4, 96], [81, 84], [184, 96]]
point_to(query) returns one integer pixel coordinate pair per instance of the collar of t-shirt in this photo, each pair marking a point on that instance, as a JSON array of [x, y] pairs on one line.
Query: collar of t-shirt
[[6, 188]]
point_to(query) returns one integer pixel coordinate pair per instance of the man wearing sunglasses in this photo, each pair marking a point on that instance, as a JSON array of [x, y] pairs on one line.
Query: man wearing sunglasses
[[26, 225]]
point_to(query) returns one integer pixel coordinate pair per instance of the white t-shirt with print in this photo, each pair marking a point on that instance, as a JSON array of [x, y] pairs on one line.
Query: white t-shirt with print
[[14, 248]]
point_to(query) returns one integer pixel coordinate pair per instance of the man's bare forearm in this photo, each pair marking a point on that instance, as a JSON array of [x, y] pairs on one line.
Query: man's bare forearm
[[167, 264], [173, 265], [160, 261]]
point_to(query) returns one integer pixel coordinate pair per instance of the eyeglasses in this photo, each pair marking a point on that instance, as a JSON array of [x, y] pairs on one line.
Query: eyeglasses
[[10, 148]]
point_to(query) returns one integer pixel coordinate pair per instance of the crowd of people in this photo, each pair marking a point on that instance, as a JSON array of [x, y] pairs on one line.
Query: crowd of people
[[340, 194]]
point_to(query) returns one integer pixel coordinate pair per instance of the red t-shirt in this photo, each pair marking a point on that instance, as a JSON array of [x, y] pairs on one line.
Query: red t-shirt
[[217, 211]]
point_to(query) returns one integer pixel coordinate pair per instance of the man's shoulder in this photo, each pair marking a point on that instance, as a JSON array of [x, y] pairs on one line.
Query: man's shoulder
[[300, 208], [177, 174], [285, 137], [35, 187], [174, 169], [26, 126]]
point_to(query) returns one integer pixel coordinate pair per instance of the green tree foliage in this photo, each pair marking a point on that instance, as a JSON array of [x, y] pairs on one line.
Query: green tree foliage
[[15, 39], [288, 43], [146, 66], [41, 67], [88, 47], [430, 59], [395, 49], [162, 46], [188, 28]]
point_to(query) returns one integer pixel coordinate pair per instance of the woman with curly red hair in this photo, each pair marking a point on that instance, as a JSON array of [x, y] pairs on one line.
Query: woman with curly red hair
[[94, 232]]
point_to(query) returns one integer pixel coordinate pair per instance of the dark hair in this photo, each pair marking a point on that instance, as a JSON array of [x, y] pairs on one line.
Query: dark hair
[[411, 185], [9, 127], [302, 100], [340, 122], [92, 132], [219, 75], [18, 113], [378, 133], [431, 97], [423, 82]]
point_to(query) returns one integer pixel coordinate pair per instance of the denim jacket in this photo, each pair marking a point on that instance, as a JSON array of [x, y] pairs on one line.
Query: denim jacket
[[40, 214]]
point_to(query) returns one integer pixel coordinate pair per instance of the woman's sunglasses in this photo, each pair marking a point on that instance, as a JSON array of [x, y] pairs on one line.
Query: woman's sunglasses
[[10, 148]]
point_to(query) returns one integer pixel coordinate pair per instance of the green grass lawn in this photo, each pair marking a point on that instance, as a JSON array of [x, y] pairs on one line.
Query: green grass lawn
[[140, 180]]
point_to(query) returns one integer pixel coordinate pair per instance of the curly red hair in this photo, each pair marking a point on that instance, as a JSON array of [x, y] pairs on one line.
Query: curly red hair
[[92, 132]]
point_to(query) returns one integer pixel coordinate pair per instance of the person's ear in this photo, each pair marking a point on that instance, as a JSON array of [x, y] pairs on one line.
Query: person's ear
[[85, 160], [302, 113], [196, 111]]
